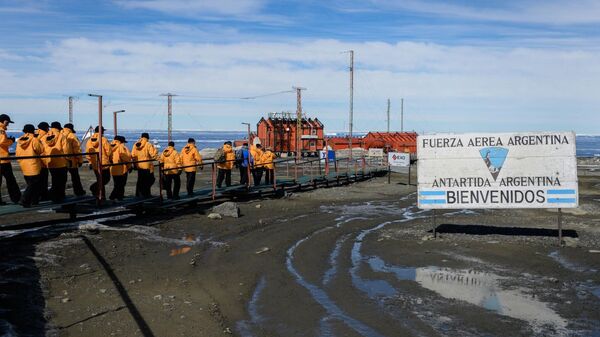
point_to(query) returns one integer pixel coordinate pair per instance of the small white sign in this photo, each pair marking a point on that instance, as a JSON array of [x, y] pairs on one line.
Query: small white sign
[[502, 170], [399, 159], [375, 153]]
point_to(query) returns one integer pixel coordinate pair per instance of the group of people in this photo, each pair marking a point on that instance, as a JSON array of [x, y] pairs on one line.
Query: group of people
[[254, 160], [52, 151]]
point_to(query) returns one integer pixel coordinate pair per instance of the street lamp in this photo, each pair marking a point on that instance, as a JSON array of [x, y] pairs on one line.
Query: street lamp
[[115, 119], [100, 135]]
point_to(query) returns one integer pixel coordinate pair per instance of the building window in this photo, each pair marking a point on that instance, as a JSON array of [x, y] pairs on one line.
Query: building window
[[314, 131]]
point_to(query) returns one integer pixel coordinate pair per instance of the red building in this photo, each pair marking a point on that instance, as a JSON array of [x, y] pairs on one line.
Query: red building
[[278, 132], [393, 141]]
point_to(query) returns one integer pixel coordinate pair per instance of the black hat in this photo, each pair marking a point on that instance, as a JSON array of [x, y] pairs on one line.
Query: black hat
[[258, 146], [171, 143], [28, 128], [43, 126], [121, 139], [227, 143], [70, 127], [4, 118], [145, 135], [191, 140], [56, 125], [97, 129]]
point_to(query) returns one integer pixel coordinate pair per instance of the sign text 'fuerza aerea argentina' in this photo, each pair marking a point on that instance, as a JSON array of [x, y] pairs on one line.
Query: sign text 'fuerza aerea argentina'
[[504, 170]]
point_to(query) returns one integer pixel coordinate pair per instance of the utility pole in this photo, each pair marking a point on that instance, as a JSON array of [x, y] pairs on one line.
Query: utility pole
[[115, 120], [71, 109], [298, 121], [351, 124], [402, 115], [388, 116], [170, 114]]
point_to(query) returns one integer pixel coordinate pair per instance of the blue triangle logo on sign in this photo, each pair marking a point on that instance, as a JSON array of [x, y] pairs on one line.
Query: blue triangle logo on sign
[[494, 158]]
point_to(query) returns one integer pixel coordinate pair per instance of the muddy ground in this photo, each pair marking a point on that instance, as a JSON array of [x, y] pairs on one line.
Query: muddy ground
[[358, 260]]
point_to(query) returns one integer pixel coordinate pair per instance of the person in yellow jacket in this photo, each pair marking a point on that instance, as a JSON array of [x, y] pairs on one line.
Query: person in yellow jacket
[[143, 150], [92, 147], [120, 154], [28, 145], [225, 164], [257, 170], [6, 171], [172, 163], [54, 145], [73, 146], [190, 156], [40, 133], [268, 163]]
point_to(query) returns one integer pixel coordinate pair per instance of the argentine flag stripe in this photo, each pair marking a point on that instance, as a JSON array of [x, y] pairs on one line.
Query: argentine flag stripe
[[562, 200], [561, 192]]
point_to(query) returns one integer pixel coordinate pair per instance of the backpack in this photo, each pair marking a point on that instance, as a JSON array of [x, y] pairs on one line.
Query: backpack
[[220, 156], [239, 156]]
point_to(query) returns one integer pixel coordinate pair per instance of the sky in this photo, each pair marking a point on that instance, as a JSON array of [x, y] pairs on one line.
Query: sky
[[459, 66]]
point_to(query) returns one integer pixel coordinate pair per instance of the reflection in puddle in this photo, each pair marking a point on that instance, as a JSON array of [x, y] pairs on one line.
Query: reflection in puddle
[[245, 327], [476, 287], [563, 261]]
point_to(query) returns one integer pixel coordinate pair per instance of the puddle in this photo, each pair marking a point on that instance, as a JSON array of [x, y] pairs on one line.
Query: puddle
[[321, 296], [245, 327], [330, 273], [563, 261], [478, 288], [362, 211]]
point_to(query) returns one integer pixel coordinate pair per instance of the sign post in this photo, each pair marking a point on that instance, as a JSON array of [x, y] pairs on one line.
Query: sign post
[[498, 170], [398, 159]]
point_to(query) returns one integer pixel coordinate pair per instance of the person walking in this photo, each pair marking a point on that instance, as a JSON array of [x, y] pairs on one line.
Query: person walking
[[54, 145], [257, 170], [120, 154], [93, 149], [243, 161], [225, 160], [42, 130], [172, 162], [268, 163], [6, 171], [73, 146], [190, 157], [144, 151], [29, 146]]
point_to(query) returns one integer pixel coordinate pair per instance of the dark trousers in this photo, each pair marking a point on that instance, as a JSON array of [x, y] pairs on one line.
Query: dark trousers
[[190, 180], [44, 195], [118, 191], [257, 175], [172, 185], [31, 196], [224, 174], [243, 175], [105, 180], [269, 176], [143, 187], [59, 184], [11, 183], [76, 182]]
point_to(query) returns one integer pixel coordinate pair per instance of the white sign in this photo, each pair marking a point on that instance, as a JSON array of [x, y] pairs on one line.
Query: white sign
[[504, 170], [399, 159], [375, 153]]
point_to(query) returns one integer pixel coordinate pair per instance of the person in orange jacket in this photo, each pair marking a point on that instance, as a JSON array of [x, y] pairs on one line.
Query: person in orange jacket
[[73, 146], [268, 163], [6, 171], [172, 162], [225, 164], [93, 147], [120, 154], [143, 150], [40, 133], [190, 156], [27, 146], [54, 144], [257, 171]]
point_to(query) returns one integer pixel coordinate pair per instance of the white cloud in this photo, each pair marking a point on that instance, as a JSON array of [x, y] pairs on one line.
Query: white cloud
[[473, 84], [525, 11]]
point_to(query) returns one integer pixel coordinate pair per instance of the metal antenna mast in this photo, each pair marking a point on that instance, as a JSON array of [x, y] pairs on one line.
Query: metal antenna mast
[[402, 115], [298, 120], [170, 114], [351, 119], [388, 116]]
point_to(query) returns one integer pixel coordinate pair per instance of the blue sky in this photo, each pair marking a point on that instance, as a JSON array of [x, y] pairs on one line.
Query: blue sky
[[461, 66]]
